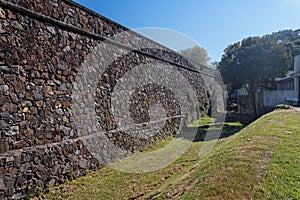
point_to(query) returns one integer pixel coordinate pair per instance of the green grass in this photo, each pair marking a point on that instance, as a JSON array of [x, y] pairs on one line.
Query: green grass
[[282, 177], [204, 121], [262, 161], [226, 128]]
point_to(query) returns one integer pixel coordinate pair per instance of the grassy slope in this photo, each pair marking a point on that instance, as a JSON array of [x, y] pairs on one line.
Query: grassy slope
[[260, 162]]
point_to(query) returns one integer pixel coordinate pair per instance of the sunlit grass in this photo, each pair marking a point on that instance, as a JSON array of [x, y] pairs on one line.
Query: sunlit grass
[[204, 121]]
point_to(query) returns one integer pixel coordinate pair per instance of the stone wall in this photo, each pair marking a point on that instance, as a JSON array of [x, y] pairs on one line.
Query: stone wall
[[58, 74]]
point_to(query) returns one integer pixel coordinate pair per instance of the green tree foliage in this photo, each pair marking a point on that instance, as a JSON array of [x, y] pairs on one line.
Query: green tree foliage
[[253, 63], [290, 39], [197, 54]]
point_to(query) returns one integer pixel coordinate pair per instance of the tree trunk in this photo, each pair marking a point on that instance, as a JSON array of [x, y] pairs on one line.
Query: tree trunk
[[251, 92]]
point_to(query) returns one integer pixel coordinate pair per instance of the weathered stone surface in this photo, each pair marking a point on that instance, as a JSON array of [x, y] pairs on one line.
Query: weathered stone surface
[[11, 15], [14, 98], [51, 183], [21, 180], [19, 86], [3, 147], [3, 171], [11, 133], [3, 124], [4, 115], [37, 95], [48, 90], [59, 112], [39, 104], [25, 109], [15, 128], [2, 13], [4, 68], [83, 164], [12, 171], [4, 88], [9, 159], [2, 185], [20, 145]]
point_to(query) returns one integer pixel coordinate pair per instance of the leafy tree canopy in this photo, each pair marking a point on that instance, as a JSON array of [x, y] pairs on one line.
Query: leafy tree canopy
[[197, 54], [290, 39], [255, 62]]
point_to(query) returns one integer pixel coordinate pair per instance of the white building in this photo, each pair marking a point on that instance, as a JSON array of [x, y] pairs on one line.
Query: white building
[[287, 92], [287, 88]]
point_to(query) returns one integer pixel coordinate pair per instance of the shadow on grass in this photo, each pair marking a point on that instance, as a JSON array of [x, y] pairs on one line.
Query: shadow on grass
[[233, 124]]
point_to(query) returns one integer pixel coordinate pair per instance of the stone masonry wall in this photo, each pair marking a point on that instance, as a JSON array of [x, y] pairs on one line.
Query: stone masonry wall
[[43, 65]]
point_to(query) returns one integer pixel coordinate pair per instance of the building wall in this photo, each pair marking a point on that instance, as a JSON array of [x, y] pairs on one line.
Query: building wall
[[286, 88], [275, 97], [287, 84], [297, 74], [297, 64]]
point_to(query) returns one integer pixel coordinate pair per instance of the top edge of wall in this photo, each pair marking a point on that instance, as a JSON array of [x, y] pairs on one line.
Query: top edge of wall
[[70, 2]]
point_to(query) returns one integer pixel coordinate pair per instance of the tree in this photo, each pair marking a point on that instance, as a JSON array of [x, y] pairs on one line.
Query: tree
[[197, 54], [253, 63], [290, 39]]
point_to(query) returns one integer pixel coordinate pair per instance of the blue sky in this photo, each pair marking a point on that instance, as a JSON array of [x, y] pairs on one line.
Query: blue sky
[[213, 24]]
